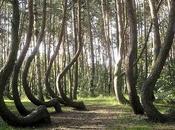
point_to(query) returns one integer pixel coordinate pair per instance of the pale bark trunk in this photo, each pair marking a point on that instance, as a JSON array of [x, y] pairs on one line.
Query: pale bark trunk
[[118, 79], [92, 85], [157, 41]]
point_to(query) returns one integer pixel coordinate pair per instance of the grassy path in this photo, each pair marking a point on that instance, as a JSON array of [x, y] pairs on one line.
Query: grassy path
[[102, 114]]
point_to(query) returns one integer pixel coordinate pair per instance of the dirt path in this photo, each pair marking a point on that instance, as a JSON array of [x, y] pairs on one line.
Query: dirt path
[[101, 117], [97, 117]]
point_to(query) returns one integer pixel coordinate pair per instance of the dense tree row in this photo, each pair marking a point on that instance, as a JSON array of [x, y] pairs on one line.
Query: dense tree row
[[53, 51]]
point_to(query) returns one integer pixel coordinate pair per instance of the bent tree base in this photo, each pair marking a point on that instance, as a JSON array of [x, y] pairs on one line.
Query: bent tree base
[[40, 115], [52, 103], [55, 103], [135, 104], [76, 105], [69, 102], [151, 111]]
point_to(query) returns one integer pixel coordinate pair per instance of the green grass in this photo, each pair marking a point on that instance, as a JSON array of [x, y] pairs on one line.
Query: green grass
[[123, 118], [100, 100]]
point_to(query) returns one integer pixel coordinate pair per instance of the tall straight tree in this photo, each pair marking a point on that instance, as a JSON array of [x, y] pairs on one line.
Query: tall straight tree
[[107, 40], [92, 85], [75, 87]]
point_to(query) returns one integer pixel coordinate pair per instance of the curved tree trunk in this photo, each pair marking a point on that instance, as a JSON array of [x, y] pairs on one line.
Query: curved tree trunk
[[22, 110], [47, 84], [77, 105], [27, 89], [41, 114], [131, 57], [157, 41], [52, 103], [148, 86]]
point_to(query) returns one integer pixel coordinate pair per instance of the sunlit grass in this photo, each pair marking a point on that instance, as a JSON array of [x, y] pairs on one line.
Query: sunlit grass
[[100, 100], [125, 119]]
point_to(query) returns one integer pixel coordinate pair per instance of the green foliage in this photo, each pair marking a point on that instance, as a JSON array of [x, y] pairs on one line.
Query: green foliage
[[100, 82], [165, 85]]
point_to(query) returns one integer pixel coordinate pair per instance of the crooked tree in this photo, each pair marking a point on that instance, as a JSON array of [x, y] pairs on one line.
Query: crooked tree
[[40, 115]]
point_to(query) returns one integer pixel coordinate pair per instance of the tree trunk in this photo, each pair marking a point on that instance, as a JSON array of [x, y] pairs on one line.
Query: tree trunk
[[75, 70], [53, 57], [27, 89], [41, 114], [105, 19], [22, 110], [131, 58], [40, 89], [157, 41], [156, 36], [118, 85], [77, 105], [149, 84], [92, 85]]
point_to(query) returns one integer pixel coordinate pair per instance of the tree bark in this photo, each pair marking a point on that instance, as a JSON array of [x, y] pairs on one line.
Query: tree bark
[[53, 57], [20, 107], [149, 84], [77, 105], [41, 114], [27, 89], [75, 70], [40, 88], [92, 85], [157, 41], [131, 57], [118, 85], [105, 19]]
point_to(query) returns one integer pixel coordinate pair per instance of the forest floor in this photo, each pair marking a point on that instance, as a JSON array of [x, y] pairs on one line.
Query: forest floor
[[103, 114]]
